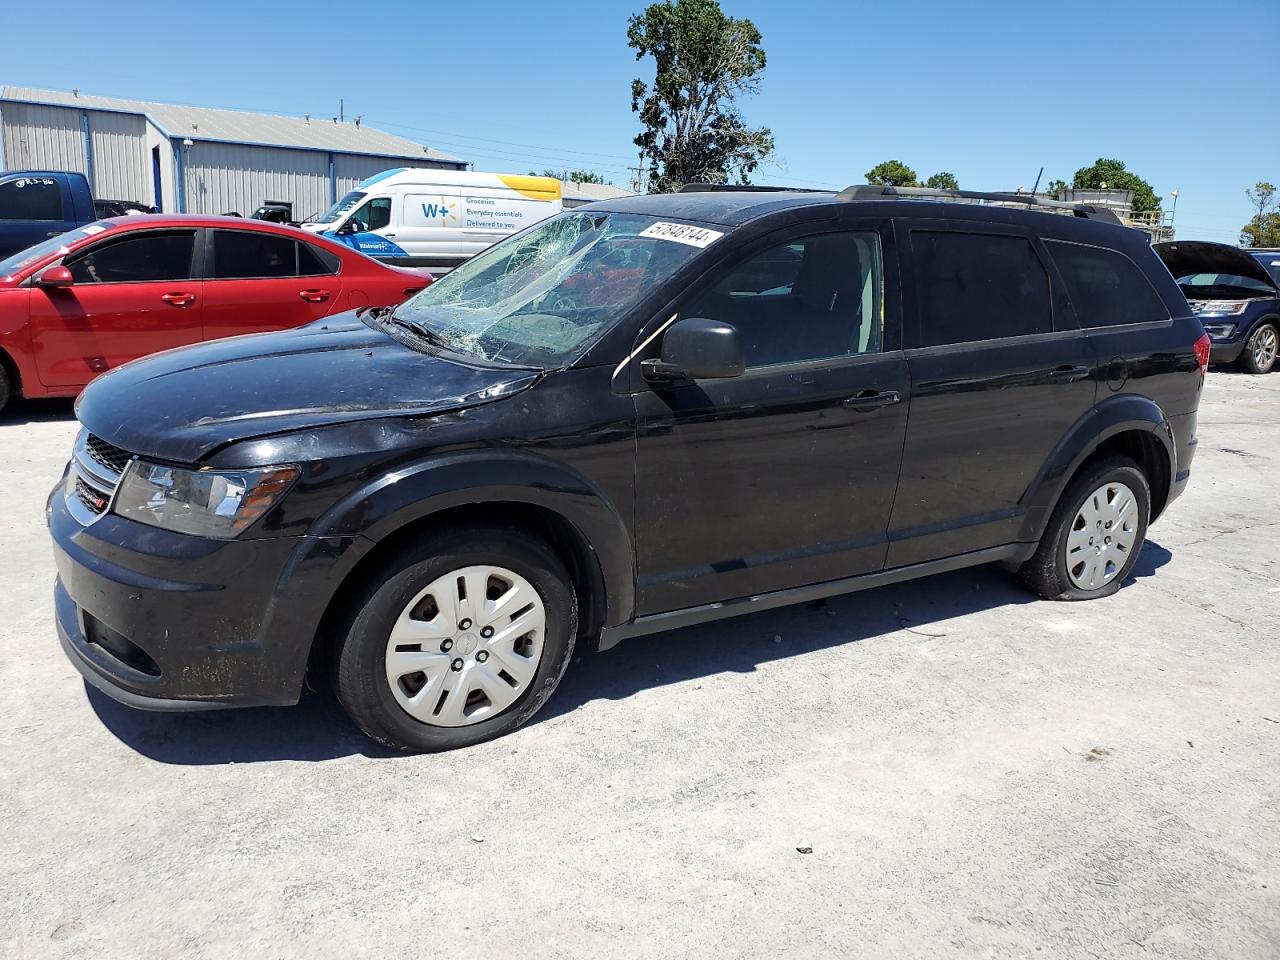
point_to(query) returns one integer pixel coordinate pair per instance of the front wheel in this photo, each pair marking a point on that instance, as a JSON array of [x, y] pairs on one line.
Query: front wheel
[[455, 640], [1094, 535], [1260, 350]]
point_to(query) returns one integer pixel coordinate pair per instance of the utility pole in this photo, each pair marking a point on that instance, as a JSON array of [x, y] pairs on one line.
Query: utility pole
[[637, 182]]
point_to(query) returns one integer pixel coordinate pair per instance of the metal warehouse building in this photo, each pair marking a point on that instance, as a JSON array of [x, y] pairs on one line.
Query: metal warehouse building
[[195, 159]]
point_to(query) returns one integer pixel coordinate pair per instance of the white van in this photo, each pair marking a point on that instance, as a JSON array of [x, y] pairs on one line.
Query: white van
[[435, 219]]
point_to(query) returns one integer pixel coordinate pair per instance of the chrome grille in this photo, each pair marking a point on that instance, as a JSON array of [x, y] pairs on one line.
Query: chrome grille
[[96, 469]]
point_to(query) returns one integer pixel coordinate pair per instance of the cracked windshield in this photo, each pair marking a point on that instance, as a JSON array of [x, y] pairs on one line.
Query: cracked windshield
[[538, 299]]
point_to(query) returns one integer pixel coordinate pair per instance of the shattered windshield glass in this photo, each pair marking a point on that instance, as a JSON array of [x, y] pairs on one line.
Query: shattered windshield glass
[[537, 299]]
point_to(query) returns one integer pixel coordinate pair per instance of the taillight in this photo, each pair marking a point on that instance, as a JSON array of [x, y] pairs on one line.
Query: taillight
[[1202, 352]]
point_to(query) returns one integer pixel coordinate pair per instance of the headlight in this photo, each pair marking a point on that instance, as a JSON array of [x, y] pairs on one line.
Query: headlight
[[1219, 308], [203, 503], [1219, 331]]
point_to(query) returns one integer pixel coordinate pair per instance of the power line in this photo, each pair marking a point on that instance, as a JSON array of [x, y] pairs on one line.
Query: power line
[[512, 143]]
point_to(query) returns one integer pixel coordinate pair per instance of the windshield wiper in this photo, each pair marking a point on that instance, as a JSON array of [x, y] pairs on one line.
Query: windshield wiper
[[425, 332]]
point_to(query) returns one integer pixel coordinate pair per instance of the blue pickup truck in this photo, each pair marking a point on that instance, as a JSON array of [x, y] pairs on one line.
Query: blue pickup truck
[[38, 204]]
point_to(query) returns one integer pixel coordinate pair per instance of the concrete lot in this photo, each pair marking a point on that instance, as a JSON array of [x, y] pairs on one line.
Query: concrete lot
[[979, 774]]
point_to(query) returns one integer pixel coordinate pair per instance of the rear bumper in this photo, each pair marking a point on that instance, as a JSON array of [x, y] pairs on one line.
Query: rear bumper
[[163, 621], [1182, 431], [1225, 351]]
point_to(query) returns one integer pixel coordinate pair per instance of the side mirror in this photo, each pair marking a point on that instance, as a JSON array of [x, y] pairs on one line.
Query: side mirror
[[697, 349], [349, 227], [58, 276]]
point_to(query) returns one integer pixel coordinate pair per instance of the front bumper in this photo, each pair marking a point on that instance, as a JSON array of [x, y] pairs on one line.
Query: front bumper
[[164, 621]]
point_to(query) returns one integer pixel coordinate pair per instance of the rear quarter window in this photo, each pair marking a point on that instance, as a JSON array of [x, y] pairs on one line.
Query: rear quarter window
[[1106, 288], [978, 286]]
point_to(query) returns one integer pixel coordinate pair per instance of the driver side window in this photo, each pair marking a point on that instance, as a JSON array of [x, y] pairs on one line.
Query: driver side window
[[813, 298], [373, 215]]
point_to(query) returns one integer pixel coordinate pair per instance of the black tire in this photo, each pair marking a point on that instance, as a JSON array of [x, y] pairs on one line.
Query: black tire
[[1248, 362], [357, 656], [1046, 572]]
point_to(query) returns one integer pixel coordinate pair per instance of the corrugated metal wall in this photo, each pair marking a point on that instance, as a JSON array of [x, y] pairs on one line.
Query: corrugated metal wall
[[121, 162], [225, 177], [44, 138], [349, 170]]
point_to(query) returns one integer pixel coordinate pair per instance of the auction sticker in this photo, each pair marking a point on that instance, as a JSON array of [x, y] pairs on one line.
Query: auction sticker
[[682, 233]]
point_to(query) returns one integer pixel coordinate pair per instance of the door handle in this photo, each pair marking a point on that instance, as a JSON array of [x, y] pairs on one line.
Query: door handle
[[179, 299], [389, 236], [1068, 374], [866, 400], [314, 296]]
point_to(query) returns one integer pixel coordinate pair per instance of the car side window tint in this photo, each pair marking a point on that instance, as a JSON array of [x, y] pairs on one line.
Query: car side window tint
[[978, 286], [374, 215], [31, 198], [1106, 288], [137, 259], [245, 255], [315, 262], [815, 298]]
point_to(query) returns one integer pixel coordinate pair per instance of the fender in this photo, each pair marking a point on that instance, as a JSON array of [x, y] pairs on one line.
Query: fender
[[1115, 415], [385, 505]]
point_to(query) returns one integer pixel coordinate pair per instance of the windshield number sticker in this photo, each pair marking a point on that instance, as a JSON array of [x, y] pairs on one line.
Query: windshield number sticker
[[93, 228], [682, 233]]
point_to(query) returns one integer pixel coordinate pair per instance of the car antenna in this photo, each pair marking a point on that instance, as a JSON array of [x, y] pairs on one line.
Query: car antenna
[[1037, 186]]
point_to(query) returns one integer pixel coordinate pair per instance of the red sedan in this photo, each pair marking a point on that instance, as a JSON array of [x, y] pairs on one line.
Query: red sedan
[[83, 302]]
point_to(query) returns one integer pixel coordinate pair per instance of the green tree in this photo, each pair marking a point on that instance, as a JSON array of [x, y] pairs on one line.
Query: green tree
[[943, 181], [1262, 195], [703, 60], [577, 176], [1056, 188], [1113, 174], [1264, 229], [893, 173]]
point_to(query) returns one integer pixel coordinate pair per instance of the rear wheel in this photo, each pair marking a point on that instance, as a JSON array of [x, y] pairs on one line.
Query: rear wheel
[[1260, 350], [456, 640], [1094, 535]]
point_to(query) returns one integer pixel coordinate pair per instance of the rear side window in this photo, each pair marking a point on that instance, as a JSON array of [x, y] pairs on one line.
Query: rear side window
[[31, 198], [1106, 288], [243, 255], [314, 262], [977, 286], [137, 259]]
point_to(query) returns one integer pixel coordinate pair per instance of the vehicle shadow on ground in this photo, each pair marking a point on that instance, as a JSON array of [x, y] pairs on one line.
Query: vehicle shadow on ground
[[38, 411], [317, 730]]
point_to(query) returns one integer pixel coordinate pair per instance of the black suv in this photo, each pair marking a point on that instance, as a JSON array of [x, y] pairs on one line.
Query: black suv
[[637, 415]]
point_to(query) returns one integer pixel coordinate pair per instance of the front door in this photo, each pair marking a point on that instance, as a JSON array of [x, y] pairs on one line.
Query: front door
[[257, 281], [999, 372], [132, 296], [785, 475]]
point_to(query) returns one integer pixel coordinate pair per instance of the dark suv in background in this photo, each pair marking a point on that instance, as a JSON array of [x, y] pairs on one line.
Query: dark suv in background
[[638, 415], [1236, 295]]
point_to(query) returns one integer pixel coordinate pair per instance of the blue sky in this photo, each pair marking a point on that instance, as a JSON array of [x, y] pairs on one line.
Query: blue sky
[[1184, 93]]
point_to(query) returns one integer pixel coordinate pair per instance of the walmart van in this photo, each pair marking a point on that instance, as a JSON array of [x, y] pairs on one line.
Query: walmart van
[[435, 219]]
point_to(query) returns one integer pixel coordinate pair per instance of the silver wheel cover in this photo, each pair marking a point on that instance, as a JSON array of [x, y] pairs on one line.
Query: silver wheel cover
[[1265, 344], [466, 647], [1102, 536]]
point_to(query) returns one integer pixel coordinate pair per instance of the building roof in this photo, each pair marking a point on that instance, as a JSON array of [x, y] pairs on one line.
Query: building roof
[[588, 192], [238, 126]]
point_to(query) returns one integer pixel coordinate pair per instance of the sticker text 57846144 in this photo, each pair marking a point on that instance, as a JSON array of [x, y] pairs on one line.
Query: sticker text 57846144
[[682, 233]]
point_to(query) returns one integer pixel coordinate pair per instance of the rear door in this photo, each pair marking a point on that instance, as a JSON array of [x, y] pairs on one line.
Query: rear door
[[33, 208], [133, 295], [1000, 372], [257, 281]]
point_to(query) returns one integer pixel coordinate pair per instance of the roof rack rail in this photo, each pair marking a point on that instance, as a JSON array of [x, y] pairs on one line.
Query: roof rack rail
[[877, 192], [749, 188]]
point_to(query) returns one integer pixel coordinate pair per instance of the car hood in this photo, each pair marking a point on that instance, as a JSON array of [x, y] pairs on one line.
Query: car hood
[[1185, 257], [183, 404]]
